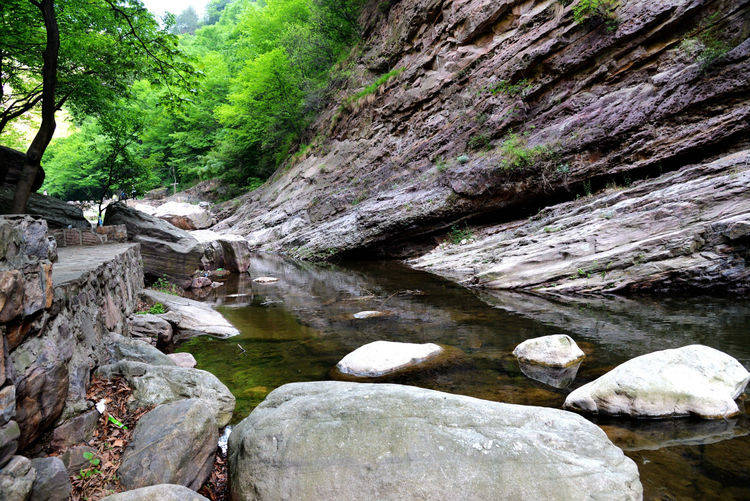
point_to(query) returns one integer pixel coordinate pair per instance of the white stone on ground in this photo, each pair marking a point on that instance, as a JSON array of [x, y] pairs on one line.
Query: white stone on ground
[[380, 358], [266, 280], [183, 359], [558, 350], [693, 379], [368, 314]]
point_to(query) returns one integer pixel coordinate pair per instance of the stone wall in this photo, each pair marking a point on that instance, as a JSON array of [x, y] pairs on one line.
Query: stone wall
[[51, 347]]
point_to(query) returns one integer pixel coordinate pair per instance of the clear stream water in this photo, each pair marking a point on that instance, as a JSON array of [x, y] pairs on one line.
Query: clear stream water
[[298, 328]]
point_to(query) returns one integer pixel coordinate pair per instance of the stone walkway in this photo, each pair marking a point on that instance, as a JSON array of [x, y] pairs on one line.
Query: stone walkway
[[73, 262]]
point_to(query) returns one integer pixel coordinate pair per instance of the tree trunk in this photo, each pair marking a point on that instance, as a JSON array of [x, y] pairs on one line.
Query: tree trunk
[[47, 127]]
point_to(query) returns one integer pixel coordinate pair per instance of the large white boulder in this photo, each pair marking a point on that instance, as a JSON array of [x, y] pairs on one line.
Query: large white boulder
[[558, 350], [381, 358], [184, 215], [693, 379], [341, 441]]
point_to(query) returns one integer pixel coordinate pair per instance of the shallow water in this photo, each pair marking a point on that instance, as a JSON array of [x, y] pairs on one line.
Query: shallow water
[[298, 328]]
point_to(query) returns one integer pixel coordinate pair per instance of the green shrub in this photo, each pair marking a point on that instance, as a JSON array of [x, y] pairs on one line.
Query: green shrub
[[164, 285], [596, 11], [373, 87], [479, 141], [157, 309], [521, 87], [456, 235], [517, 155]]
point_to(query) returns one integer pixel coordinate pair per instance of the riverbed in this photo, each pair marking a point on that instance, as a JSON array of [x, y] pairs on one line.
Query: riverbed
[[299, 327]]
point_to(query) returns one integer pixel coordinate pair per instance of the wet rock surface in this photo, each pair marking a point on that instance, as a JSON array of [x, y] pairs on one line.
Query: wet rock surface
[[694, 379], [173, 443], [342, 439]]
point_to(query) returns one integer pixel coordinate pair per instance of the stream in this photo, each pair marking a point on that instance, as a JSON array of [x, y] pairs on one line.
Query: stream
[[298, 328]]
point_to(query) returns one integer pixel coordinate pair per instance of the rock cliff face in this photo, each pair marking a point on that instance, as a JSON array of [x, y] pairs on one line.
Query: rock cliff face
[[503, 108]]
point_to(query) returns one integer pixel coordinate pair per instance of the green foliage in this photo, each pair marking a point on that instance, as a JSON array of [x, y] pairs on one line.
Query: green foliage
[[92, 469], [479, 141], [522, 87], [462, 159], [441, 164], [157, 309], [596, 11], [164, 285], [374, 86], [517, 155], [714, 46], [456, 235]]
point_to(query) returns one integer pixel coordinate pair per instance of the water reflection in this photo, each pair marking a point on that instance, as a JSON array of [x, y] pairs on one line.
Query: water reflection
[[298, 328], [559, 377]]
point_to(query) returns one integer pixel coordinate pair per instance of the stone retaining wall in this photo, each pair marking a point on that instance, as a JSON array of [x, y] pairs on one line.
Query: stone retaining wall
[[50, 352]]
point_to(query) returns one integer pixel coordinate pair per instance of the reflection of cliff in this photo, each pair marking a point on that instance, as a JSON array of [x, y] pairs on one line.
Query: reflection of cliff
[[629, 327]]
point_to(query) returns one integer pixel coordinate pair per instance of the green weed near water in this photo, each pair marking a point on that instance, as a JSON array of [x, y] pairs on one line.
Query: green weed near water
[[165, 286]]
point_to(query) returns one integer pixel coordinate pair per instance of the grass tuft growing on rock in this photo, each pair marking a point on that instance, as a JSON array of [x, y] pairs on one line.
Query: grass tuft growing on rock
[[516, 155]]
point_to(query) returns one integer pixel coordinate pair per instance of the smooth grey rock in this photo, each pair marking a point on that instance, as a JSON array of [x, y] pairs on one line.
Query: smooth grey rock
[[16, 479], [153, 328], [161, 492], [123, 348], [693, 379], [158, 384], [339, 440], [51, 482], [183, 359], [167, 250], [9, 434], [557, 350], [174, 443], [380, 358], [76, 430], [191, 318]]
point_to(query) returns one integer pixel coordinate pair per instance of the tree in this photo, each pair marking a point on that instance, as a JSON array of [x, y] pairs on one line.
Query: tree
[[186, 22], [90, 53]]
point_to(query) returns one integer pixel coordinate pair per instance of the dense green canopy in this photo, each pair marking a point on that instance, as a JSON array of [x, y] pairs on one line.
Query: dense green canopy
[[262, 73]]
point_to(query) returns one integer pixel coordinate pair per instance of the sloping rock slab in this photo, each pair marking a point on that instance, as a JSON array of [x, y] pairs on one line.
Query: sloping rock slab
[[693, 379], [161, 492], [166, 250], [124, 348], [184, 215], [158, 384], [191, 318], [381, 358], [173, 443], [338, 440], [557, 350], [57, 213]]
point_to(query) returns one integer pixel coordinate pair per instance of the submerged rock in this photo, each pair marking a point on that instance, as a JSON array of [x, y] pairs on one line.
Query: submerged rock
[[381, 358], [558, 377], [184, 215], [161, 492], [191, 318], [338, 440], [693, 379], [557, 350], [173, 443], [158, 384]]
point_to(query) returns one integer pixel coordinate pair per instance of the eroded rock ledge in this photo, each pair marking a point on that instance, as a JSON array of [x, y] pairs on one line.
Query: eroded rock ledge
[[688, 229]]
